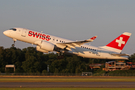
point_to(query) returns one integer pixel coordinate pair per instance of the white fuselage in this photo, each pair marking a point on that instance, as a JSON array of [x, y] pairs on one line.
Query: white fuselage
[[84, 50]]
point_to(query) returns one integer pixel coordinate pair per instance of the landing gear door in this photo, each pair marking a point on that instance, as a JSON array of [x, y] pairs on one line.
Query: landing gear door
[[24, 33]]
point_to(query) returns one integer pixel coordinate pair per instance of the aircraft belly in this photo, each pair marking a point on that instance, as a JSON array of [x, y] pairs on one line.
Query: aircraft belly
[[88, 55], [100, 56], [109, 56]]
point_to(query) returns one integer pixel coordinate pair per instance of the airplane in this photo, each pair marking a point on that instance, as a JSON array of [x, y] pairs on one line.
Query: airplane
[[49, 43]]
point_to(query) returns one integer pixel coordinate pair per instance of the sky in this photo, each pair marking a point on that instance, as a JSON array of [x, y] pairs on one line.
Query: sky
[[70, 19]]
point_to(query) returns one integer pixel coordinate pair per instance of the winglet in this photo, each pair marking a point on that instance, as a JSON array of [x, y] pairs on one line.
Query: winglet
[[92, 39]]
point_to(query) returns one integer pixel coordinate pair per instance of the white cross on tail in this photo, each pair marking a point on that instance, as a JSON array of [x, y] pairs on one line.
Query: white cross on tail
[[120, 41]]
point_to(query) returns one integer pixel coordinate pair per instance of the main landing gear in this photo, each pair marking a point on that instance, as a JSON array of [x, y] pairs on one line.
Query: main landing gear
[[60, 55]]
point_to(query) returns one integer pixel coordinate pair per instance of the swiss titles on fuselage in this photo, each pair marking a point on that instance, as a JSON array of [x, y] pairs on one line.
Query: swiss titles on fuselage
[[39, 35]]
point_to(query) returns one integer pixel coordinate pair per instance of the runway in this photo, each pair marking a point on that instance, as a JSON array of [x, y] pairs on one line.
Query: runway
[[67, 84]]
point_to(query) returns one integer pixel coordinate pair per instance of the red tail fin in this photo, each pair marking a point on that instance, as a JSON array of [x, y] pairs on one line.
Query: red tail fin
[[118, 44]]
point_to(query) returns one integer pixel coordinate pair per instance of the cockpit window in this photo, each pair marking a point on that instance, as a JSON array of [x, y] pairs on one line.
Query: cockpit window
[[13, 29]]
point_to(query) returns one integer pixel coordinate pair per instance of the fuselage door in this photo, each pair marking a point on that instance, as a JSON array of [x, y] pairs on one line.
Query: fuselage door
[[24, 33]]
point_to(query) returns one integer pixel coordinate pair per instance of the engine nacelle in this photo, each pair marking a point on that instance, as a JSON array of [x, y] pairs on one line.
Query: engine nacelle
[[41, 50], [47, 46]]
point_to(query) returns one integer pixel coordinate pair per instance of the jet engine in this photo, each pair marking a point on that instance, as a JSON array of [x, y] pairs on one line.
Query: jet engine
[[41, 50], [45, 47]]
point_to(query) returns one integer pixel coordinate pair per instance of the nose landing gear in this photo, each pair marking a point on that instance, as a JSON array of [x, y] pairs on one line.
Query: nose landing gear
[[14, 42]]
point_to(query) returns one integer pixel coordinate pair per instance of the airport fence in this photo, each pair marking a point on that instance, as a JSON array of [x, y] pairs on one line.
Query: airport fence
[[68, 74]]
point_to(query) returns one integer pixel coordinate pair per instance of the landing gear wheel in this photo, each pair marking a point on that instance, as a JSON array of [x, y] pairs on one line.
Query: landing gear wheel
[[13, 45], [60, 57]]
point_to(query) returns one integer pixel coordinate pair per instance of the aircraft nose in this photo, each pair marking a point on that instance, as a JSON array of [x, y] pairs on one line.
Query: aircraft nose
[[6, 33]]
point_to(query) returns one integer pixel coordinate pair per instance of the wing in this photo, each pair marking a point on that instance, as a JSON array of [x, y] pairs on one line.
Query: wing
[[70, 45]]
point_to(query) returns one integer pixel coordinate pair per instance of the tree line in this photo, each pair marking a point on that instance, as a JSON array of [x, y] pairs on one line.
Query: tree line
[[28, 60]]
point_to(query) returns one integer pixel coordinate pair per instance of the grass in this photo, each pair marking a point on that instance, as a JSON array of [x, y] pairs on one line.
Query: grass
[[67, 88], [67, 79]]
